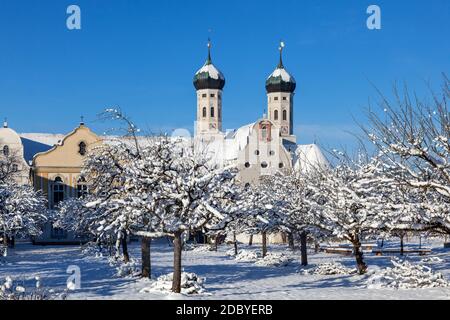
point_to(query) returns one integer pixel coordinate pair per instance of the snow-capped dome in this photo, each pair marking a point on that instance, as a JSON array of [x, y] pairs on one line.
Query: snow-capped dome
[[209, 77], [9, 137], [280, 80]]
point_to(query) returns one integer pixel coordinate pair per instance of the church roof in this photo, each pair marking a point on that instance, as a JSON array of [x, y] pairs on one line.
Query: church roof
[[307, 157]]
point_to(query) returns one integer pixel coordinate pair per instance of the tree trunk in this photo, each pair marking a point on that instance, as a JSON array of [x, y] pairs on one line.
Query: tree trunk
[[401, 244], [303, 248], [216, 240], [12, 243], [176, 282], [235, 244], [124, 243], [291, 241], [250, 240], [361, 266], [264, 243], [5, 240], [145, 252]]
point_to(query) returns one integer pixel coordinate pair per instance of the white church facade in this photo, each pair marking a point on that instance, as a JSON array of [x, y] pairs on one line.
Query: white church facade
[[263, 147]]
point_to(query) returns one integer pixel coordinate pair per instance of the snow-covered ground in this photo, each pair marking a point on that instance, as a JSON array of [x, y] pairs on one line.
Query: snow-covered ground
[[225, 277]]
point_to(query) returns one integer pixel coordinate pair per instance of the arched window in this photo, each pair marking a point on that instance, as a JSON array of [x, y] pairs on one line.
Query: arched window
[[82, 187], [82, 148], [58, 190], [284, 115], [6, 151], [204, 112], [15, 167], [275, 115], [212, 112]]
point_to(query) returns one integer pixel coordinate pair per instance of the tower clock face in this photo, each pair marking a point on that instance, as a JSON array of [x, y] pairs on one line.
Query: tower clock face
[[284, 130]]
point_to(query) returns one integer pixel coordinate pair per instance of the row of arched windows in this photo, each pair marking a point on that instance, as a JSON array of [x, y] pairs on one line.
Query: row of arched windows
[[212, 112], [58, 189], [275, 115]]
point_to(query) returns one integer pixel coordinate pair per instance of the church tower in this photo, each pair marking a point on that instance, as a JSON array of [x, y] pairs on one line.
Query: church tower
[[209, 83], [280, 87]]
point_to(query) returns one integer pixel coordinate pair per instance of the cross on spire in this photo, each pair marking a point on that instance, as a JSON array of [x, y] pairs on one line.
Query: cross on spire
[[5, 123], [82, 121], [209, 61], [281, 47]]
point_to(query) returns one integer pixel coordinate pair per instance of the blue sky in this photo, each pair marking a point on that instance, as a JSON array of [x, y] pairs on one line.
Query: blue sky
[[141, 55]]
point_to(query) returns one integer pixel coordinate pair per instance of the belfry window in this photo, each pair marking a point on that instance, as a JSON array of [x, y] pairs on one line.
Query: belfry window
[[212, 112], [82, 148], [284, 115], [275, 98], [6, 151], [204, 112], [275, 115]]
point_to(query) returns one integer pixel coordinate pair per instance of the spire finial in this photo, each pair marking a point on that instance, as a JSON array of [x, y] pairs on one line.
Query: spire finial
[[82, 121], [280, 64], [5, 123], [208, 61]]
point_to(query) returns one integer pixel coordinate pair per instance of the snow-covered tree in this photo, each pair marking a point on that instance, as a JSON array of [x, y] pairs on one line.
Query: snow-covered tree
[[22, 211], [297, 210], [413, 136], [350, 201], [8, 167], [263, 207], [192, 195]]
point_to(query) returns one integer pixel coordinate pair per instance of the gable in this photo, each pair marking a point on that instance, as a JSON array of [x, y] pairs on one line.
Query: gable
[[66, 153]]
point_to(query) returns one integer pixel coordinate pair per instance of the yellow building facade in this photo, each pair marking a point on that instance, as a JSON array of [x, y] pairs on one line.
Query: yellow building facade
[[57, 174]]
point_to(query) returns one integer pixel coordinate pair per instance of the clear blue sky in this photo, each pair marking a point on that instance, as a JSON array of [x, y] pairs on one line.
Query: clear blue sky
[[142, 55]]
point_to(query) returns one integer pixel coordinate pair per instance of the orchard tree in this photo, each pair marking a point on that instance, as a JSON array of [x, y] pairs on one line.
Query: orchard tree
[[263, 209], [349, 201], [413, 136], [22, 211], [192, 195]]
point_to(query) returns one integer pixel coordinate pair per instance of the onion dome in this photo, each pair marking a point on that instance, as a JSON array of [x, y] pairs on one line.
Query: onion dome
[[280, 80], [209, 77]]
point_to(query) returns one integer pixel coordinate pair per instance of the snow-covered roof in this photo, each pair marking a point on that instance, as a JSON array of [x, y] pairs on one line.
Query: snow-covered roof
[[307, 157], [281, 72], [212, 71]]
